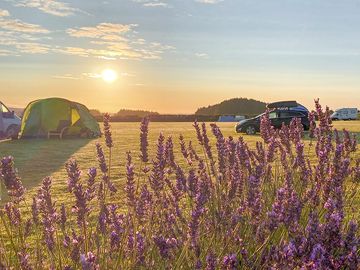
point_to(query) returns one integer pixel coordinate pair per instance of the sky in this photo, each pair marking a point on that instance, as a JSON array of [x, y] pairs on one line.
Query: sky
[[174, 56]]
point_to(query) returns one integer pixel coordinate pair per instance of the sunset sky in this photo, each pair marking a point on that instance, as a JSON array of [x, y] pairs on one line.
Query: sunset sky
[[173, 56]]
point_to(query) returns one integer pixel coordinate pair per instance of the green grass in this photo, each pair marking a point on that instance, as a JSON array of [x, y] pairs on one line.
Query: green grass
[[38, 158]]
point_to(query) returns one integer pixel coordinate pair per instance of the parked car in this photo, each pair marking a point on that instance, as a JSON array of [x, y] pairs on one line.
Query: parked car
[[9, 123], [345, 114], [281, 113]]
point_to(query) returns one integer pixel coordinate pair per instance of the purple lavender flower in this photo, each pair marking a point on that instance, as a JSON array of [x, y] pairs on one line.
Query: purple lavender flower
[[312, 127], [48, 212], [140, 247], [169, 152], [88, 261], [130, 182], [144, 129], [266, 128], [73, 172], [11, 179], [230, 262], [198, 132], [35, 211], [76, 243], [210, 261], [143, 203], [107, 130], [63, 217], [318, 258], [91, 188], [207, 147], [80, 207], [165, 245], [24, 259], [180, 179], [101, 159], [104, 169], [183, 146], [156, 178], [221, 148]]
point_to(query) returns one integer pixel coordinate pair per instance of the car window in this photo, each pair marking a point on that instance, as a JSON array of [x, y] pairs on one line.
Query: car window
[[3, 108], [288, 114], [272, 115], [285, 114]]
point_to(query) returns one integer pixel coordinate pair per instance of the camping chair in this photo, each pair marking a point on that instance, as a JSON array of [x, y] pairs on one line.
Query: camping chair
[[62, 127]]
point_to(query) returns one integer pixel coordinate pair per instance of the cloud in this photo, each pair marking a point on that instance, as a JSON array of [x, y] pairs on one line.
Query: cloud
[[32, 48], [202, 55], [66, 76], [152, 3], [114, 41], [52, 7], [19, 26], [20, 37], [87, 75], [155, 4], [209, 1], [106, 31], [4, 13], [5, 52]]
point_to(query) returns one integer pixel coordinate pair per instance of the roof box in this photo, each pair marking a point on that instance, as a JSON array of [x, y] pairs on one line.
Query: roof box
[[282, 104], [287, 105]]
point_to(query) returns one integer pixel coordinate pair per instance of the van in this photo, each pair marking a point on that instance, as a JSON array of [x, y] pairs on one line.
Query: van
[[345, 114], [9, 123]]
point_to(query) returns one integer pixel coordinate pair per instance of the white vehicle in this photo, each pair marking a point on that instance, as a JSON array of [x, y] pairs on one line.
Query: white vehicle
[[9, 123], [345, 114]]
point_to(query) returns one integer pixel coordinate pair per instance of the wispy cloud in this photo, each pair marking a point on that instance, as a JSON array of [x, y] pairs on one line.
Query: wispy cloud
[[16, 25], [105, 31], [87, 75], [5, 52], [20, 37], [114, 41], [4, 13], [209, 1], [53, 7], [152, 3], [155, 4], [66, 76], [202, 55]]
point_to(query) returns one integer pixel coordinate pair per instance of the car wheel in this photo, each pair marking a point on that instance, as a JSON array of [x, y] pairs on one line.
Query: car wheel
[[250, 130], [12, 132]]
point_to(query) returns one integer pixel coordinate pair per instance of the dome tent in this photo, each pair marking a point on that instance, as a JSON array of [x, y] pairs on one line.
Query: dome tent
[[45, 115]]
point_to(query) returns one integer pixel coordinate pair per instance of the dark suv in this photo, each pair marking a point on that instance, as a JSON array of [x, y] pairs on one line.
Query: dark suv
[[281, 112]]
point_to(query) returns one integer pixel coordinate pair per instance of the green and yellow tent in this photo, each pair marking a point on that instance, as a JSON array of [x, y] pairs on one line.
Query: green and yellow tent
[[47, 115]]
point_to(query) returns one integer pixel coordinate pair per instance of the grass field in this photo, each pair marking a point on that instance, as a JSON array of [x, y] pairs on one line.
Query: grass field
[[36, 159]]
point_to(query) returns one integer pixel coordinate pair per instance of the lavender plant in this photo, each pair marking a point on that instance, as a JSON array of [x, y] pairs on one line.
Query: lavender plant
[[271, 207]]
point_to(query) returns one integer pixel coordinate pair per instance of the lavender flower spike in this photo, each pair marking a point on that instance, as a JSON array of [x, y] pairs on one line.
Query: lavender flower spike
[[107, 130], [11, 179], [144, 130]]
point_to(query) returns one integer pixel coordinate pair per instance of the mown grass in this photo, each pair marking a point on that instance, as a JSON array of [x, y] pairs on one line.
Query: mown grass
[[38, 158]]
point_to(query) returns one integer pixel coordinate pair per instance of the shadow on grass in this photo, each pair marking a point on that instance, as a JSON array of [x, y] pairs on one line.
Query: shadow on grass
[[37, 158]]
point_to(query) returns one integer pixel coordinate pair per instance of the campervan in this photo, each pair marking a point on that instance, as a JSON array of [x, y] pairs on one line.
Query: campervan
[[345, 114]]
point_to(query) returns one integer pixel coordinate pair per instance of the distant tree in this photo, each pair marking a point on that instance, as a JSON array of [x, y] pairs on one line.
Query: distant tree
[[95, 113], [235, 106], [138, 113]]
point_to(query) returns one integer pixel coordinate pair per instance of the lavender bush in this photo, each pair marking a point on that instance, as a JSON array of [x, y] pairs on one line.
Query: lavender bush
[[272, 207]]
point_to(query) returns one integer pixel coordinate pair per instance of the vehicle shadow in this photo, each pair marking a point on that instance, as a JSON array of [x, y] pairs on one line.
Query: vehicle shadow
[[38, 158]]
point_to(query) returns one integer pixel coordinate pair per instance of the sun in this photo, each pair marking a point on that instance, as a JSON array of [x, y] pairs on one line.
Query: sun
[[108, 75]]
